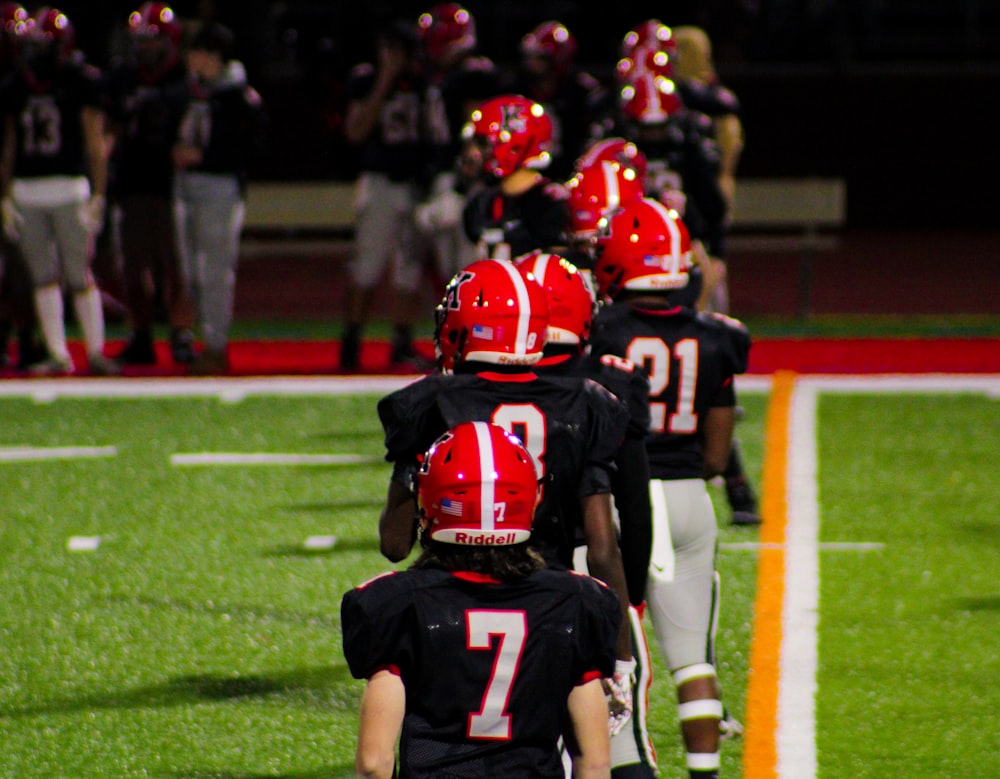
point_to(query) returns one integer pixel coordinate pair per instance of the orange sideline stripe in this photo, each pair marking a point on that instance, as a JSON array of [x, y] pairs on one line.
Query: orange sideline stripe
[[760, 758]]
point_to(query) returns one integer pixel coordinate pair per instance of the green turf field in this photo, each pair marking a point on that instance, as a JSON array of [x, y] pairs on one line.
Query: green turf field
[[195, 633]]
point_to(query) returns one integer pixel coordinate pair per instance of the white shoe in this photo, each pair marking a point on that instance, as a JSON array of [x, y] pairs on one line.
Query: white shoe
[[729, 726]]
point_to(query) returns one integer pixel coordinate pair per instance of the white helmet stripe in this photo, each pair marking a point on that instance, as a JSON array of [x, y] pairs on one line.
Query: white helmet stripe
[[612, 192], [487, 475], [523, 307], [540, 267]]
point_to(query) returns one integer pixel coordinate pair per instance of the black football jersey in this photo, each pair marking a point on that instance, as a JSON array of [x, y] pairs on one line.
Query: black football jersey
[[571, 426], [630, 481], [505, 228], [147, 114], [710, 99], [690, 359], [487, 666], [47, 120], [398, 145], [449, 100]]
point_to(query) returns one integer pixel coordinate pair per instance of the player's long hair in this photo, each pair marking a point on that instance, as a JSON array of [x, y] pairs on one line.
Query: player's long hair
[[503, 563]]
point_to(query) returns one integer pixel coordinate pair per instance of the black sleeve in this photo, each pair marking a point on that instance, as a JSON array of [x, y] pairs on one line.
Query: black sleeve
[[630, 487]]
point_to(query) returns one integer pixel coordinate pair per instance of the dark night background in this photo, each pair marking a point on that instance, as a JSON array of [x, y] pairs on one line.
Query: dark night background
[[898, 97]]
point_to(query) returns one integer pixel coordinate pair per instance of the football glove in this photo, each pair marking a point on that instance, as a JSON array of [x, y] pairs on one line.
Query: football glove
[[618, 690], [92, 214]]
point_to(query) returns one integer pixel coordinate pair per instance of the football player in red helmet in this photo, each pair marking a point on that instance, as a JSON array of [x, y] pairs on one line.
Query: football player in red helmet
[[459, 79], [691, 359], [491, 330], [521, 209], [17, 311], [425, 639], [54, 204], [566, 353], [547, 72], [517, 313], [149, 93]]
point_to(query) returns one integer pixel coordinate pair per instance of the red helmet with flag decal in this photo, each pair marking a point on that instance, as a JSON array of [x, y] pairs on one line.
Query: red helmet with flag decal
[[477, 486], [647, 249], [490, 313]]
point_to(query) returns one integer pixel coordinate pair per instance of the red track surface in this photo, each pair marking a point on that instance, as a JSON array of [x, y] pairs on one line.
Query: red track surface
[[802, 355]]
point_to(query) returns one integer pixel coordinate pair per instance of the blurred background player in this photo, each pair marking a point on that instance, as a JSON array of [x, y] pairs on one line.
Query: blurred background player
[[694, 71], [148, 96], [220, 134], [688, 170], [54, 182], [691, 359], [459, 80], [547, 72], [386, 121], [520, 210], [17, 309], [478, 618], [566, 353]]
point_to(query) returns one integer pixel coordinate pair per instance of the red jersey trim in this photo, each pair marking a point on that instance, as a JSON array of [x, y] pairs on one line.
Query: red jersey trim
[[515, 377], [473, 576], [589, 676]]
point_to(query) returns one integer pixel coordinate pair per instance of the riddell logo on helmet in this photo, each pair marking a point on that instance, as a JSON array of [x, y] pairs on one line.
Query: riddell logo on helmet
[[492, 539]]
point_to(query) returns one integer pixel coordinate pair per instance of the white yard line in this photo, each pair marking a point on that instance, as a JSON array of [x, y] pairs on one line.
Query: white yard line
[[796, 733], [264, 458], [22, 454]]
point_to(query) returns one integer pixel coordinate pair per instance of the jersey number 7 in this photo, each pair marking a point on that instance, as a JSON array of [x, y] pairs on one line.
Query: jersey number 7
[[492, 721]]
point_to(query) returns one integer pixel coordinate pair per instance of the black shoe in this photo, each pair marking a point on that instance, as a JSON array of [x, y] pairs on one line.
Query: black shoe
[[743, 503], [350, 349], [30, 352], [138, 351], [403, 354], [182, 346]]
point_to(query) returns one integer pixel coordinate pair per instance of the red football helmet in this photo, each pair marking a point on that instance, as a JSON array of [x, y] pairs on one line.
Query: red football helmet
[[651, 34], [446, 30], [157, 34], [648, 50], [650, 99], [553, 42], [571, 305], [647, 249], [597, 191], [156, 20], [615, 149], [12, 16], [490, 314], [514, 131], [477, 486], [46, 37]]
